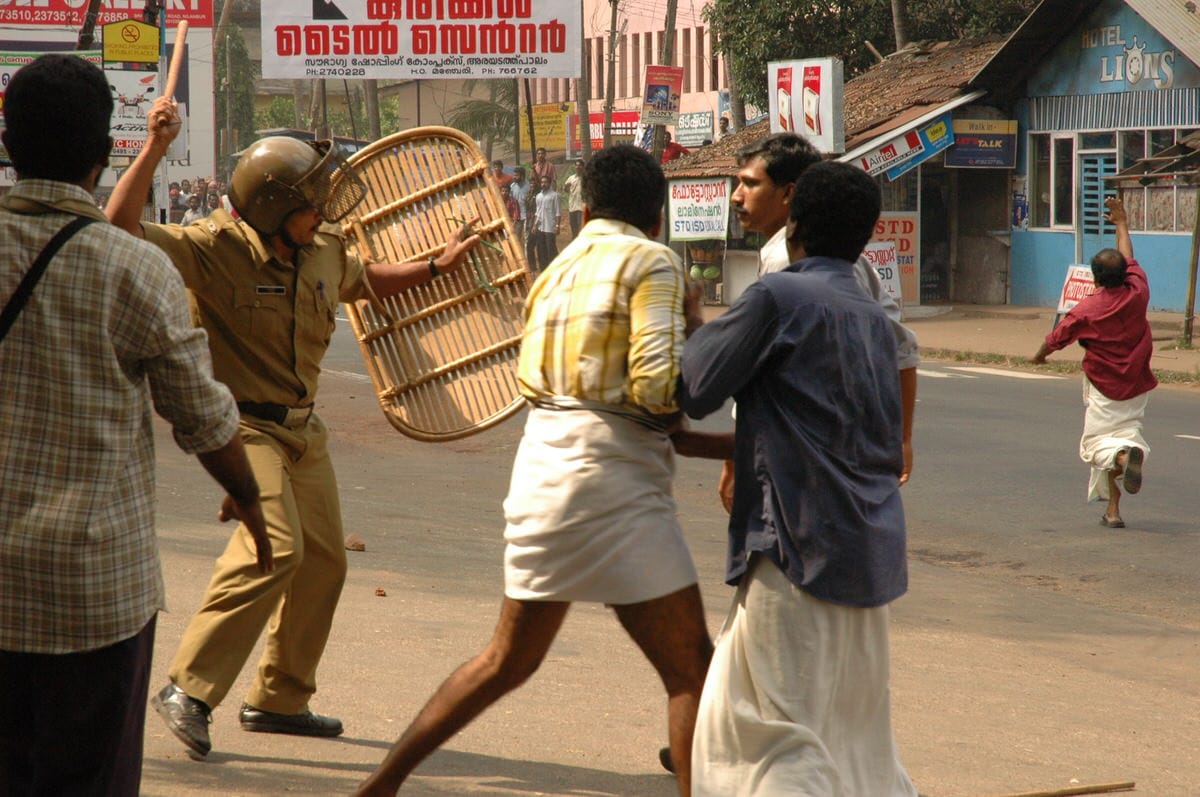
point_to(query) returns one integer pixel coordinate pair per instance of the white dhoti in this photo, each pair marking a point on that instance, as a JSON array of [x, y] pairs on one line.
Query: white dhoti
[[1109, 427], [590, 515], [796, 701]]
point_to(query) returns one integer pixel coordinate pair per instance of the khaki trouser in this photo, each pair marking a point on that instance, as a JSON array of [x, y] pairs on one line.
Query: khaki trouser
[[303, 515]]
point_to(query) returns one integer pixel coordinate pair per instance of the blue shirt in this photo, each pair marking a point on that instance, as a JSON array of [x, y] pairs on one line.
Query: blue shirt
[[811, 360]]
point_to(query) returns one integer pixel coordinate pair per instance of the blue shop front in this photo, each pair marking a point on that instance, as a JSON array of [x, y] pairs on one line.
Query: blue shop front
[[1120, 86]]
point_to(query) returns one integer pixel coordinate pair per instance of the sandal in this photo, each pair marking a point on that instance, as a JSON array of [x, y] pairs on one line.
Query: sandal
[[1115, 523], [1133, 470]]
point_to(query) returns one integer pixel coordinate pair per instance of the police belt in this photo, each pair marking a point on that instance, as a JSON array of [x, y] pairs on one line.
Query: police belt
[[291, 417]]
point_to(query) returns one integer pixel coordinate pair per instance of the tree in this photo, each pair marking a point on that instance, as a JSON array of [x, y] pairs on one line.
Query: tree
[[754, 32], [236, 78], [487, 120]]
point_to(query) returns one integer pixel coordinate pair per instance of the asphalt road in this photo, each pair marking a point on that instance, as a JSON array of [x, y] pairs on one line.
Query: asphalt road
[[1034, 648]]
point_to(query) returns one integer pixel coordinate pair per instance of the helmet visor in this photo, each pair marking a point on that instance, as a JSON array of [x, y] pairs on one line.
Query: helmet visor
[[332, 186]]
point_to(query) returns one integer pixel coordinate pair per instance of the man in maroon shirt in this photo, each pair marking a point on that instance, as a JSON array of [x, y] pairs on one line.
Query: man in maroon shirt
[[1112, 328]]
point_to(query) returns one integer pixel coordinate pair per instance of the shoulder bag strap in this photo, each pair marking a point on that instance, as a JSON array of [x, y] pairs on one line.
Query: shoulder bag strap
[[25, 289]]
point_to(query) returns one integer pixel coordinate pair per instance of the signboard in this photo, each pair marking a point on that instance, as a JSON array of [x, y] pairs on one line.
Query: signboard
[[932, 138], [805, 97], [425, 39], [130, 41], [624, 123], [699, 209], [753, 114], [882, 257], [663, 86], [1078, 285], [983, 144], [133, 91], [693, 129], [44, 13], [904, 230], [549, 124]]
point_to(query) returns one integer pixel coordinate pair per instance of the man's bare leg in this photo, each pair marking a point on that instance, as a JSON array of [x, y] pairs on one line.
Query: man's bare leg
[[673, 634], [522, 638], [1113, 513]]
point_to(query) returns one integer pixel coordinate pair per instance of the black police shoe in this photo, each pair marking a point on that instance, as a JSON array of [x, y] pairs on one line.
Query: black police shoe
[[187, 717], [305, 724]]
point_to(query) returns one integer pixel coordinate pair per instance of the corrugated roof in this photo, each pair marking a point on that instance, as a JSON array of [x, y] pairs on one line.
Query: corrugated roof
[[1177, 20], [904, 86]]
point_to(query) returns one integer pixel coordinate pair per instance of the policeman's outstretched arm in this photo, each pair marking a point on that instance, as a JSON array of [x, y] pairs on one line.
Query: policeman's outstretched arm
[[388, 279], [124, 208]]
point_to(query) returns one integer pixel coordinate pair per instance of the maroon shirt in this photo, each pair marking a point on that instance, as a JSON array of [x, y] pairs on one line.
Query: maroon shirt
[[1111, 327]]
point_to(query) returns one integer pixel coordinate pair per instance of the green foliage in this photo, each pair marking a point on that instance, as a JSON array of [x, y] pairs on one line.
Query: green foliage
[[236, 78], [343, 120], [755, 32], [487, 120]]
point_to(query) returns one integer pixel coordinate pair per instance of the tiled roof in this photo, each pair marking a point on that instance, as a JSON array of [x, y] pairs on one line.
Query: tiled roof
[[900, 88]]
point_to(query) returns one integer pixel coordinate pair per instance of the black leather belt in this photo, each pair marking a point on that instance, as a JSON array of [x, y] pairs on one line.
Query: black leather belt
[[276, 413]]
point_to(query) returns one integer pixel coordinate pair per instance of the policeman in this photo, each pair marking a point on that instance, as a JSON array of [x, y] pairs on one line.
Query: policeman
[[267, 285]]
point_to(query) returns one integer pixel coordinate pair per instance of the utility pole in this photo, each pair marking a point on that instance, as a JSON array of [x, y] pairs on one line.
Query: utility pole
[[583, 94], [666, 59], [87, 32], [371, 90], [610, 90], [529, 115], [900, 22], [225, 143]]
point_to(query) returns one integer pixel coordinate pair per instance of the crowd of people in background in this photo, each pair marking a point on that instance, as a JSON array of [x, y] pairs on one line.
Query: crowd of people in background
[[191, 200]]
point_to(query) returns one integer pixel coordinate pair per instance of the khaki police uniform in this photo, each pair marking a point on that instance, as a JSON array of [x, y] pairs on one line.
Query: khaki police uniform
[[269, 323]]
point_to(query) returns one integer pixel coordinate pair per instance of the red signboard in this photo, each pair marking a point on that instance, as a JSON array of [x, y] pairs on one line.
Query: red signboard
[[624, 123], [38, 13]]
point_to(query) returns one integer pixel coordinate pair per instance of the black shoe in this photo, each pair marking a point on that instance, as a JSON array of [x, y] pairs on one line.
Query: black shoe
[[306, 724], [187, 717], [664, 758]]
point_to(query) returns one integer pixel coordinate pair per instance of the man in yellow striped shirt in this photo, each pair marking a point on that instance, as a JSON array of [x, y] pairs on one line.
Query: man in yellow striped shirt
[[589, 511]]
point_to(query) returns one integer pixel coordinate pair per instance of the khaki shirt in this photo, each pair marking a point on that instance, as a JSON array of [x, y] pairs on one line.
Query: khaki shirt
[[269, 321]]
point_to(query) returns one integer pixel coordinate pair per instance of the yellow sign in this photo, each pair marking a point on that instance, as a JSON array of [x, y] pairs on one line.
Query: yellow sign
[[549, 123], [131, 41]]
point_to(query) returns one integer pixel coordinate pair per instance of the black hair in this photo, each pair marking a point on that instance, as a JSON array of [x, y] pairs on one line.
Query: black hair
[[785, 156], [1108, 268], [834, 209], [57, 111], [623, 183]]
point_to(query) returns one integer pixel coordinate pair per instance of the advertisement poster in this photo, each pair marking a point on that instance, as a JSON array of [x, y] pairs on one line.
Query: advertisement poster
[[425, 39], [624, 124], [904, 230], [983, 144], [693, 129], [42, 13], [663, 86], [806, 97], [699, 209], [549, 124], [934, 137], [882, 257], [133, 91], [1078, 285]]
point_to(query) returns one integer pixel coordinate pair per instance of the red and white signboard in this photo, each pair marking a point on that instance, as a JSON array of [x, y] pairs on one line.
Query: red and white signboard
[[1078, 285], [426, 39], [806, 97], [661, 91], [198, 13], [882, 257]]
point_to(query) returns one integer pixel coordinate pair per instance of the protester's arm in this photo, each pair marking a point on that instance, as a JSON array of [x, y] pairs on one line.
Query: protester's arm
[[1042, 353], [1120, 219], [387, 279], [230, 468], [725, 485], [124, 207], [705, 445]]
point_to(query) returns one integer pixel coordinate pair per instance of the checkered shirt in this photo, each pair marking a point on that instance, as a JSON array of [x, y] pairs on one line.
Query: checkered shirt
[[604, 322], [105, 332]]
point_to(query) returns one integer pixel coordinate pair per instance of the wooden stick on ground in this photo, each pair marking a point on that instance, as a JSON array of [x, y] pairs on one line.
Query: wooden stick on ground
[[1098, 788]]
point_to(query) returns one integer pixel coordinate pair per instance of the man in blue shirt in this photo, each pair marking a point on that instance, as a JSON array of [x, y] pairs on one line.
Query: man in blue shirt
[[816, 534]]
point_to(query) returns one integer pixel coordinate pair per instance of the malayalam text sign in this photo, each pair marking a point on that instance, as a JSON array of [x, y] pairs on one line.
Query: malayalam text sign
[[693, 129], [425, 39], [882, 257], [904, 230], [198, 13], [699, 209], [549, 124], [1079, 284]]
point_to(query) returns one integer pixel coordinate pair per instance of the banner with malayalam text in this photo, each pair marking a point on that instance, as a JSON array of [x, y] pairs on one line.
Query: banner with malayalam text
[[425, 39], [699, 209], [44, 13]]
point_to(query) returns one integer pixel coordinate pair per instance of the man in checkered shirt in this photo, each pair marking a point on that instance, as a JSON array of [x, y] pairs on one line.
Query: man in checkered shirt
[[105, 332]]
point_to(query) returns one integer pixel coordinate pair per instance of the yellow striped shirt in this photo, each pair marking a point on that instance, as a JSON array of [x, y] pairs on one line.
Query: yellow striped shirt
[[604, 322]]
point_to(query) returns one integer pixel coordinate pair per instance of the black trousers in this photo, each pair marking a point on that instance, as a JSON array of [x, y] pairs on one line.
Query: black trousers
[[547, 248], [73, 724]]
